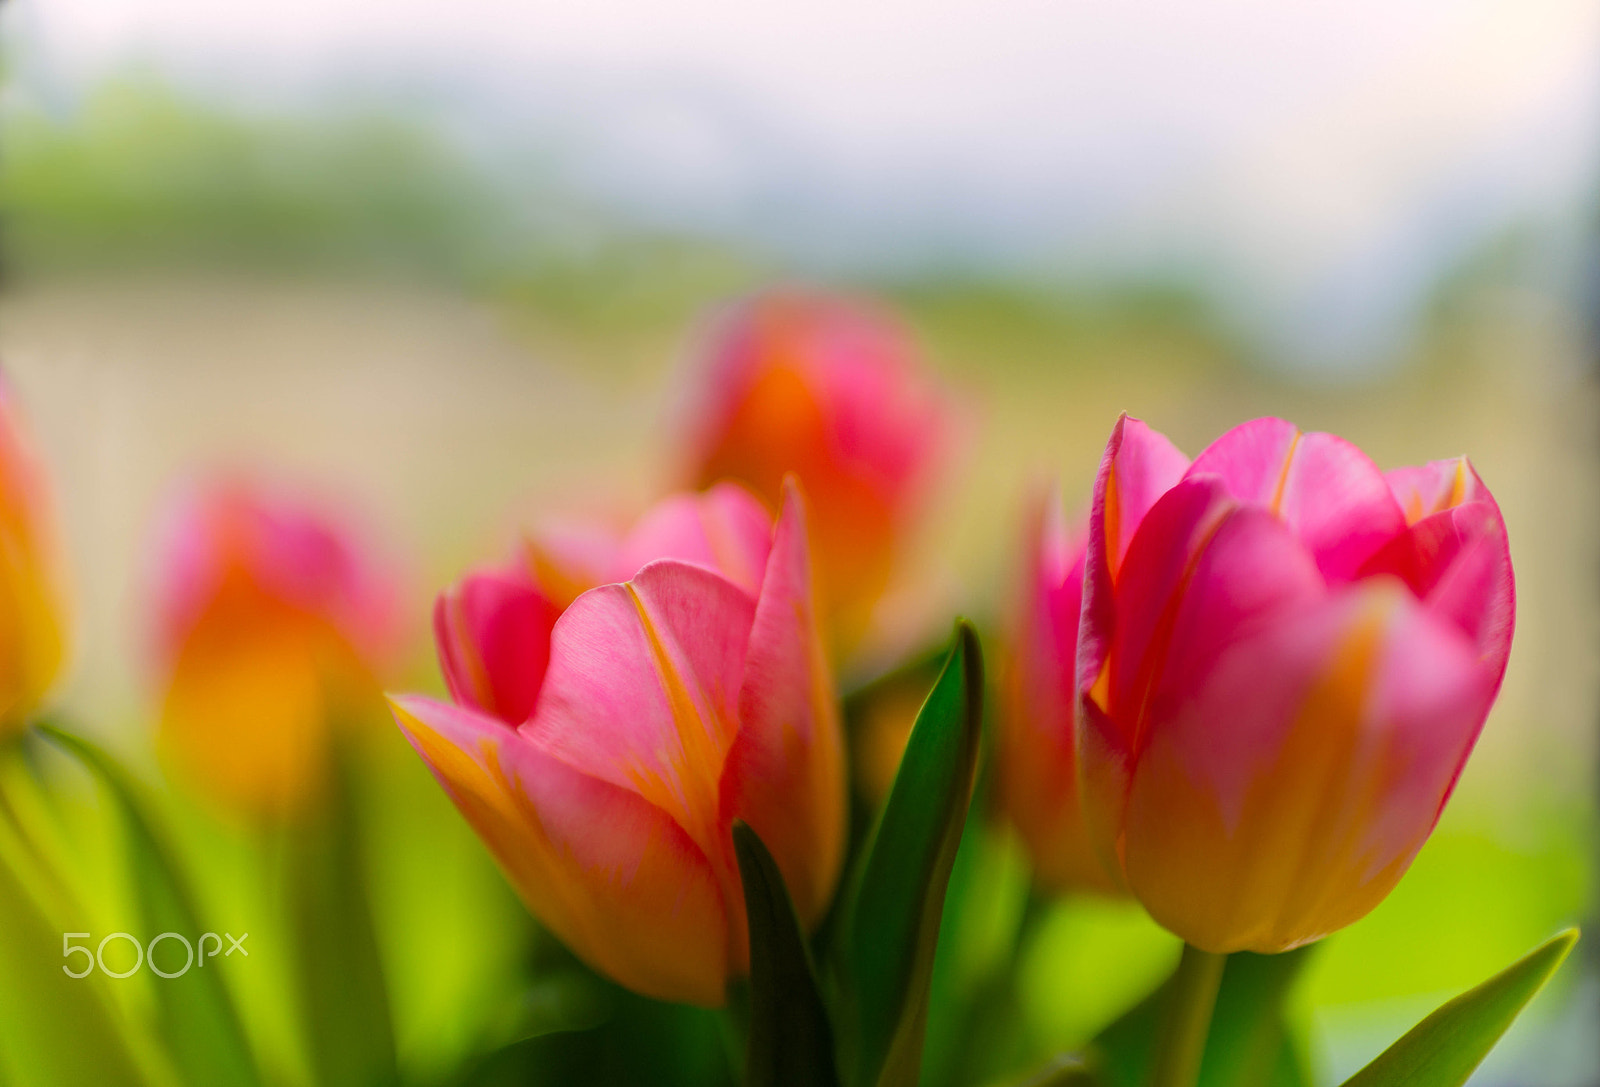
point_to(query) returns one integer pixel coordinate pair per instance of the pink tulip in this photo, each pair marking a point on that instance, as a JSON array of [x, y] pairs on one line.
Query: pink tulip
[[832, 390], [1036, 750], [1284, 660], [602, 747], [272, 622]]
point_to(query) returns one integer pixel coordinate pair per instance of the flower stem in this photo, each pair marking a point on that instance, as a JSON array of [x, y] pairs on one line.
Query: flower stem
[[1187, 1019]]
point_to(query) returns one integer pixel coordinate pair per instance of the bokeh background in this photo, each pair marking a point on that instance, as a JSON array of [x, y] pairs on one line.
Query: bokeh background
[[447, 263]]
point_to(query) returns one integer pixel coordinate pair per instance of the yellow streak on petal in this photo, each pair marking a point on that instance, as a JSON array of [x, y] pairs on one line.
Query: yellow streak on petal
[[691, 794], [1293, 862], [599, 927], [1283, 473], [1458, 486], [1113, 524]]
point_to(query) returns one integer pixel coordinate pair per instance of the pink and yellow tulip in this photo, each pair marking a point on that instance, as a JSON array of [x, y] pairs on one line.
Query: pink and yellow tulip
[[832, 391], [273, 625], [1036, 750], [1284, 660], [603, 739], [33, 612]]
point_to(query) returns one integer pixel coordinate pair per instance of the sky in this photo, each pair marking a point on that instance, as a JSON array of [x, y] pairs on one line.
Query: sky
[[1320, 164]]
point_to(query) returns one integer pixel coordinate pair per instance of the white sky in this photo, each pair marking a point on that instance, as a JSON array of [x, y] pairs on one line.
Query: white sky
[[1329, 156]]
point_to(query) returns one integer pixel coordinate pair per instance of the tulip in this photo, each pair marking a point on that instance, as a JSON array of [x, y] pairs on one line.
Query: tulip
[[603, 746], [1036, 748], [33, 613], [1284, 659], [832, 391], [273, 623]]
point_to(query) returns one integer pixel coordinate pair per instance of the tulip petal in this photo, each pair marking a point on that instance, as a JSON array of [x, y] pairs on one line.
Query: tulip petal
[[1347, 726], [724, 529], [613, 876], [642, 690], [246, 713], [1202, 573], [1139, 466], [1037, 758], [1427, 489], [493, 637], [1324, 487], [1458, 563], [785, 774], [1455, 556]]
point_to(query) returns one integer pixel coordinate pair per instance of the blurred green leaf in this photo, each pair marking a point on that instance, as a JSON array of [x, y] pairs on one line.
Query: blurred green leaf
[[790, 1040], [197, 1018], [1443, 1049], [1248, 1046], [343, 996], [54, 1029], [891, 924]]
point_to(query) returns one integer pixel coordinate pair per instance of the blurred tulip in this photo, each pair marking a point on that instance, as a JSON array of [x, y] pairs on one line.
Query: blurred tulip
[[1036, 757], [602, 746], [272, 624], [831, 390], [33, 612], [1285, 658]]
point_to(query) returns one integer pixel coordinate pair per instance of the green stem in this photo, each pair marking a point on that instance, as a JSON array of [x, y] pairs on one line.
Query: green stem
[[1187, 1019]]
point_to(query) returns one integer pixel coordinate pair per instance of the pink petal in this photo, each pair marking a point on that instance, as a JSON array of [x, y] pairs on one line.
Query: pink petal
[[1202, 573], [1458, 563], [1438, 485], [569, 557], [1036, 753], [1325, 488], [493, 636], [726, 529], [610, 874], [1287, 794], [1138, 467], [289, 547], [785, 774], [642, 689]]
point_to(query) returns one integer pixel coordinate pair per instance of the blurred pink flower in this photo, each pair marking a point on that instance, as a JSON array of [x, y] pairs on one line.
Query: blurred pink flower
[[832, 390], [272, 623]]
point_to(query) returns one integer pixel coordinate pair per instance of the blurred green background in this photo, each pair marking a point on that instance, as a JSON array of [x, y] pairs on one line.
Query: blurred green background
[[349, 298]]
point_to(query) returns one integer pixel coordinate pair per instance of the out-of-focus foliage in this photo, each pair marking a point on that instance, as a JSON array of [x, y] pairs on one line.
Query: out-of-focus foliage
[[137, 176]]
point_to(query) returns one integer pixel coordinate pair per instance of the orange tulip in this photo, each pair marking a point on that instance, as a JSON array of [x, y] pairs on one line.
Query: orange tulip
[[273, 623], [33, 613], [830, 390]]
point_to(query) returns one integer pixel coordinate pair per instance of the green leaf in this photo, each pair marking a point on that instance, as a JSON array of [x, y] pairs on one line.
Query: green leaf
[[344, 1000], [891, 924], [1248, 1045], [1443, 1049], [54, 1029], [197, 1018], [790, 1042]]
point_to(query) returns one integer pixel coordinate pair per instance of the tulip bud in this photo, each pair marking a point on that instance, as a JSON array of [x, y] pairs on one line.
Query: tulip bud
[[603, 758], [1036, 756], [33, 610], [830, 390], [272, 625], [1285, 658]]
